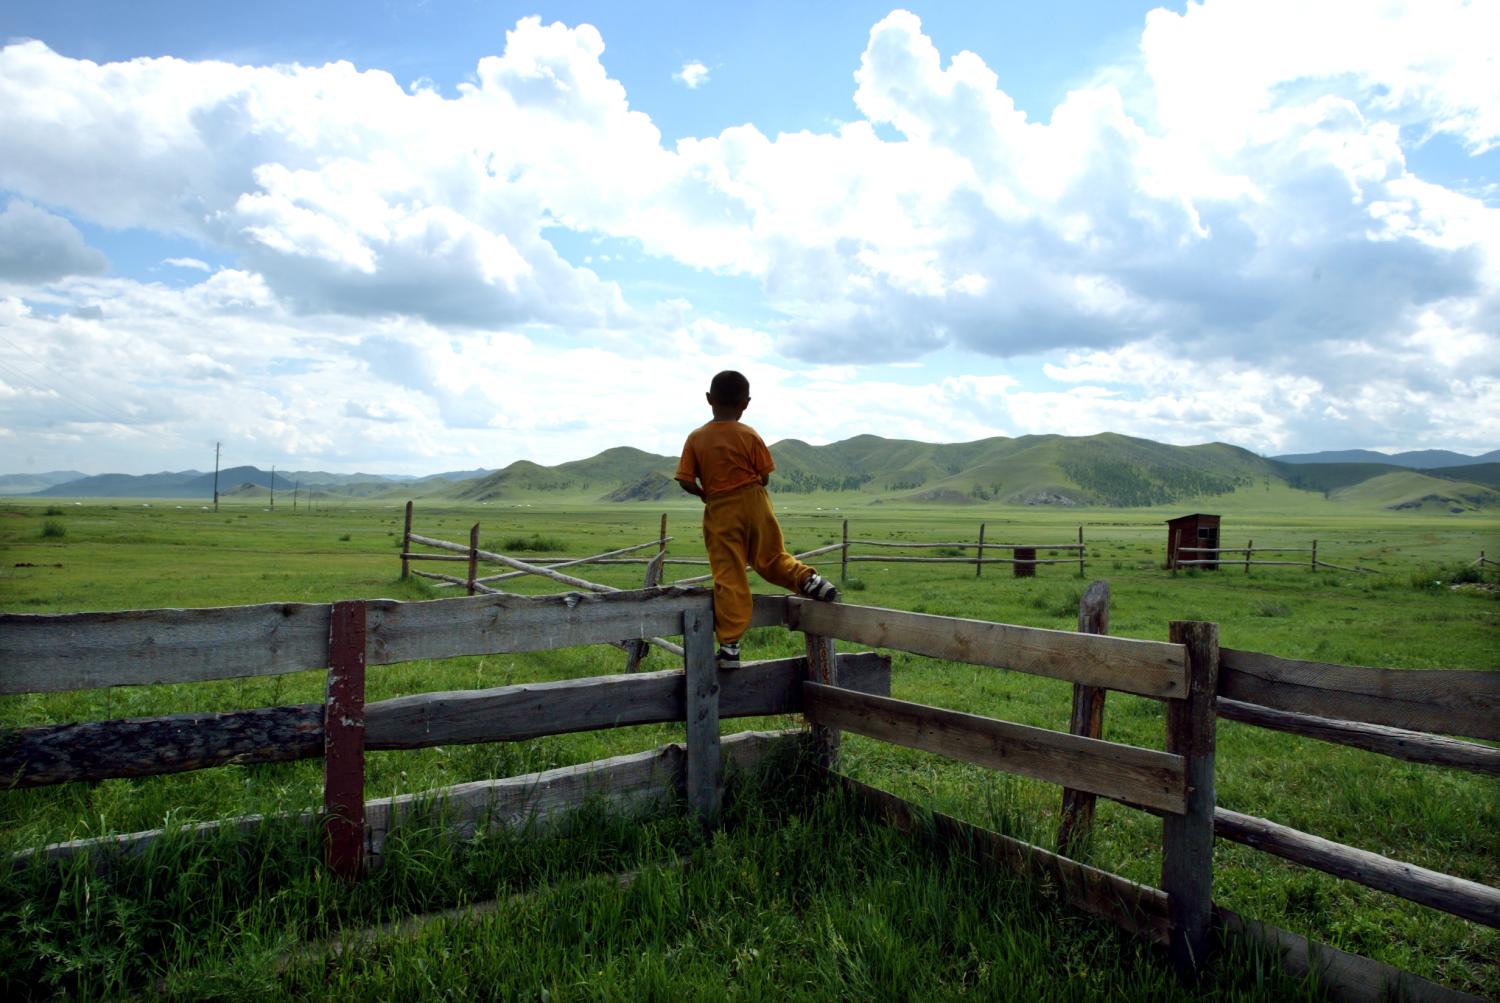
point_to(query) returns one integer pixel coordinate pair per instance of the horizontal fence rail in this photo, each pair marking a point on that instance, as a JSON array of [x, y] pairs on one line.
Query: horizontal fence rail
[[1124, 772], [52, 652], [1398, 743], [1148, 668], [98, 750], [1468, 899], [631, 782], [1441, 701]]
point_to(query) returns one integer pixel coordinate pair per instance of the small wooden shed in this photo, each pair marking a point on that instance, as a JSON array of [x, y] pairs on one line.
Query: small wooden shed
[[1190, 531]]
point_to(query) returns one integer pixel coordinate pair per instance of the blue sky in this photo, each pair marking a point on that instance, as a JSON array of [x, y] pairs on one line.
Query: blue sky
[[423, 236]]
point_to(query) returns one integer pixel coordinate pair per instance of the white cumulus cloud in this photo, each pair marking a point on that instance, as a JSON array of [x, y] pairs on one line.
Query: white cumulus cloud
[[692, 75]]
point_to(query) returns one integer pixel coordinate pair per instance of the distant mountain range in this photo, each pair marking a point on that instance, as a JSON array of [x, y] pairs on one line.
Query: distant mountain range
[[1051, 470], [1421, 459], [197, 484]]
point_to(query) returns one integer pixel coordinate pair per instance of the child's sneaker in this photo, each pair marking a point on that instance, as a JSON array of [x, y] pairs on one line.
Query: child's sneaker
[[729, 655], [819, 588]]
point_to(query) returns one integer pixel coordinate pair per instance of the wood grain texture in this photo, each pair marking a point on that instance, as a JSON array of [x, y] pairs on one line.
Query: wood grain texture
[[1142, 776], [1076, 820], [629, 783], [344, 741], [1149, 668], [1187, 866], [701, 685], [50, 652], [1468, 899], [1442, 701], [1344, 977], [1138, 909], [141, 747], [823, 668], [1412, 746]]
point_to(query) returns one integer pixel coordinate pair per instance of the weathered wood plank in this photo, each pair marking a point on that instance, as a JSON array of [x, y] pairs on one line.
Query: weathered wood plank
[[1076, 821], [1442, 701], [1149, 668], [447, 628], [49, 652], [629, 783], [1412, 746], [141, 747], [1138, 909], [701, 685], [823, 668], [1142, 776], [1468, 899], [1187, 865], [1344, 977], [344, 742]]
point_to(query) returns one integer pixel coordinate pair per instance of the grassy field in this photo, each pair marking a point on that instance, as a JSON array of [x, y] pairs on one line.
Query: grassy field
[[791, 898]]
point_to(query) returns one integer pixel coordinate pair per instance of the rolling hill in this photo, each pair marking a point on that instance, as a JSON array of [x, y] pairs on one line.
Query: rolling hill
[[1418, 459], [1046, 470]]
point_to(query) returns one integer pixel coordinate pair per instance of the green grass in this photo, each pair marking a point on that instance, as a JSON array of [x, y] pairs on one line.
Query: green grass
[[840, 919], [796, 896]]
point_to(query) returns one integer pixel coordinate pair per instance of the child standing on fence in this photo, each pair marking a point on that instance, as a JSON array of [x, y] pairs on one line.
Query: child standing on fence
[[726, 464]]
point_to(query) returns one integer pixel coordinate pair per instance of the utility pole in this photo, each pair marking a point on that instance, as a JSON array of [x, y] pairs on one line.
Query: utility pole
[[273, 487], [216, 477]]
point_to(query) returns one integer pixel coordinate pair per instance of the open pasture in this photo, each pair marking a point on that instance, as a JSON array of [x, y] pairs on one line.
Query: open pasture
[[128, 556]]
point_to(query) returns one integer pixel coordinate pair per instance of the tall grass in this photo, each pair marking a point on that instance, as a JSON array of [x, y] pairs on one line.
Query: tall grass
[[796, 896]]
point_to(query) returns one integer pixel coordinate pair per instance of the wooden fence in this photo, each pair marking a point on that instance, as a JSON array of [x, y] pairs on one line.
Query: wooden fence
[[1023, 558], [1174, 561], [1383, 710]]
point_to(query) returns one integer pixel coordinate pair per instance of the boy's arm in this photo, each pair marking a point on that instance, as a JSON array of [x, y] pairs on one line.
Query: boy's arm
[[692, 488]]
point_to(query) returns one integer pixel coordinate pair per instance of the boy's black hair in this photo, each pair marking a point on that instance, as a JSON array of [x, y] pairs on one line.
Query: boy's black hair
[[729, 387]]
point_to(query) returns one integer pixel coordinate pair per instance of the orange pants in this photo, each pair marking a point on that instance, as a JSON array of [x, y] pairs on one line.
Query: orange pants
[[739, 528]]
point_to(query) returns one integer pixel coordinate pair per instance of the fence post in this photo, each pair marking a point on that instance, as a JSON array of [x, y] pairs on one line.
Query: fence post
[[344, 741], [473, 557], [1249, 549], [638, 648], [1187, 867], [844, 558], [1172, 553], [822, 667], [1314, 565], [1077, 820], [702, 681], [979, 558], [406, 545], [1081, 572], [661, 547]]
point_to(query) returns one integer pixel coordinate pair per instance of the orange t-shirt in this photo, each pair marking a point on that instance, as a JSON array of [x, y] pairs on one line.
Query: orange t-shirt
[[724, 455]]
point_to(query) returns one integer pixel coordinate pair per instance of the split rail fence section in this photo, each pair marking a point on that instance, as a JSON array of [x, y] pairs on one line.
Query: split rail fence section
[[56, 652], [1023, 558], [1393, 712], [1311, 563]]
